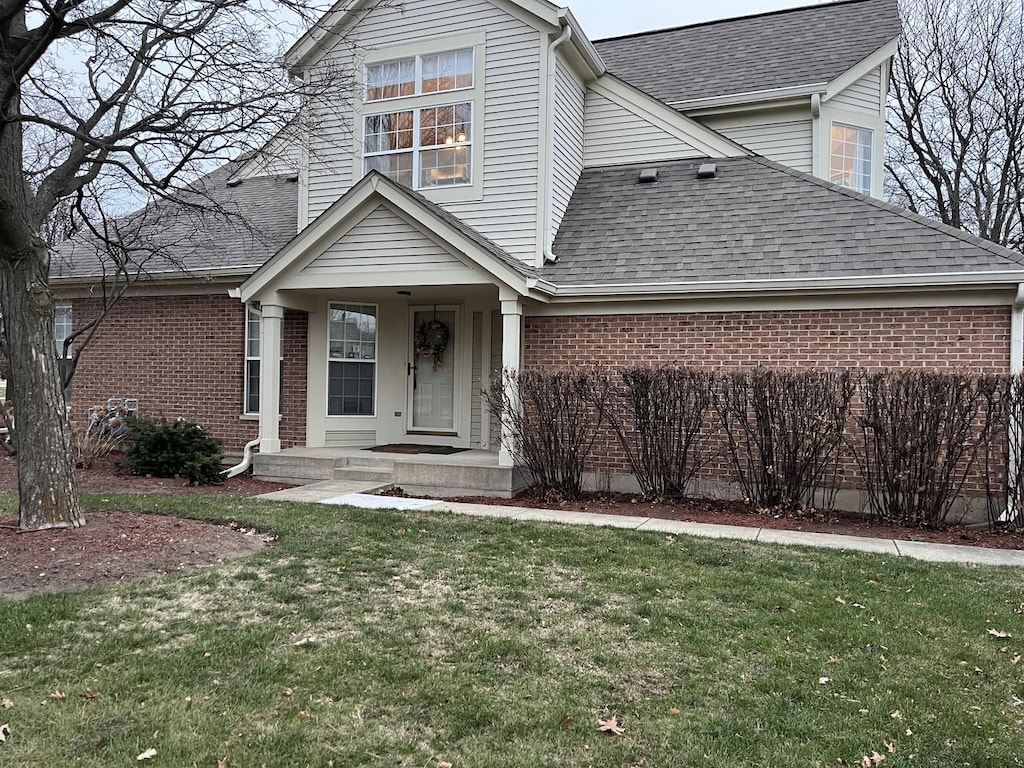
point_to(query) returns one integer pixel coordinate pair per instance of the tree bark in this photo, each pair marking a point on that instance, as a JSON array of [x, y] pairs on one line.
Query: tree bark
[[47, 491]]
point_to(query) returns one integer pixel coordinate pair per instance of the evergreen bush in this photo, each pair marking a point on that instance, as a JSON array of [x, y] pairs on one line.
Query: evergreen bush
[[173, 449]]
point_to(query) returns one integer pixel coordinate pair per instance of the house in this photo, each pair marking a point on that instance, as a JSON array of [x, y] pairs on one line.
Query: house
[[499, 191]]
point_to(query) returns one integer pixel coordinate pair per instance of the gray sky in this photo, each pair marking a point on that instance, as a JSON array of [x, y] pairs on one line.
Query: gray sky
[[608, 18]]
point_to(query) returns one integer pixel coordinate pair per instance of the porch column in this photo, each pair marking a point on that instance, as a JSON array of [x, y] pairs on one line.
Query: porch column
[[511, 360], [271, 327]]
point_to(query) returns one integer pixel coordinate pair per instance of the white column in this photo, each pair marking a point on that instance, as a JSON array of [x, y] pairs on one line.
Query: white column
[[271, 327], [511, 360]]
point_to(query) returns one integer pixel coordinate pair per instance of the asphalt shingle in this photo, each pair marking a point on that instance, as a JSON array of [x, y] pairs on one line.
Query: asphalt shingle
[[757, 220], [783, 49]]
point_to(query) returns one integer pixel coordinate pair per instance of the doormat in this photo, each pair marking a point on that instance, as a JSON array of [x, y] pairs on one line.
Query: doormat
[[440, 450]]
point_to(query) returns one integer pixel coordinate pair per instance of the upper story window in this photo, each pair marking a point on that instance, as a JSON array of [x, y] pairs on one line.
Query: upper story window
[[852, 157], [424, 140], [417, 75]]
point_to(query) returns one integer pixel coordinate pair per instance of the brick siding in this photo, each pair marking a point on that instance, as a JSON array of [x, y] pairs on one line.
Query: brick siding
[[184, 356]]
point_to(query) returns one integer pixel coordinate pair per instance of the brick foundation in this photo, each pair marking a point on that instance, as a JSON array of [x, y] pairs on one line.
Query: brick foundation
[[184, 356]]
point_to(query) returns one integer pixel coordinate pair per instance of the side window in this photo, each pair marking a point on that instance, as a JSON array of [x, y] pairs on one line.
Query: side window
[[62, 329], [251, 396], [851, 161]]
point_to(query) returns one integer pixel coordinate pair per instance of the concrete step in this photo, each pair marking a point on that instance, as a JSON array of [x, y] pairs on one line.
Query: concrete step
[[299, 470], [368, 460], [368, 474]]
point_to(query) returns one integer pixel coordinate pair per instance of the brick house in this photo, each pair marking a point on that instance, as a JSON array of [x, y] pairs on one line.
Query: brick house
[[707, 194]]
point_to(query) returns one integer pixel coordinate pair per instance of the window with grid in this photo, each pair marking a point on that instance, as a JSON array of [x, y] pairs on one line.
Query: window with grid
[[62, 329], [253, 320], [851, 157], [417, 75], [352, 360], [422, 148]]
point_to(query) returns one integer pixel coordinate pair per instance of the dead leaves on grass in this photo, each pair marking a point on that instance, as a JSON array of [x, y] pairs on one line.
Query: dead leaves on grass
[[610, 726], [5, 732]]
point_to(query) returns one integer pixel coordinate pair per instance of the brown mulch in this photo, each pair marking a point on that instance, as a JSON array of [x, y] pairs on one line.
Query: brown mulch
[[117, 546], [724, 512]]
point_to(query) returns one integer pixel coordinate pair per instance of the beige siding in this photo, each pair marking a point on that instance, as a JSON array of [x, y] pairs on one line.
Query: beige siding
[[381, 243], [569, 136], [614, 134], [865, 95], [476, 380], [507, 213], [785, 136]]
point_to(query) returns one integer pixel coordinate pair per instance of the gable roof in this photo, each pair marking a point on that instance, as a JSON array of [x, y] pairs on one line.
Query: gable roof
[[232, 229], [756, 221], [367, 195], [770, 51]]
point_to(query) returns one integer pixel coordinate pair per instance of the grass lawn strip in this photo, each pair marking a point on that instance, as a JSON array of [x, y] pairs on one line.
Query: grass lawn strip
[[373, 638]]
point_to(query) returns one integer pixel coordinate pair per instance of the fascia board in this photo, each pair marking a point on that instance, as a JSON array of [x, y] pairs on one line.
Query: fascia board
[[582, 45], [658, 113], [858, 70], [750, 97], [336, 20], [613, 292]]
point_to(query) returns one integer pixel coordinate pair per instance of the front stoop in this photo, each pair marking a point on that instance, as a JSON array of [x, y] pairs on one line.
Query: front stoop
[[421, 474]]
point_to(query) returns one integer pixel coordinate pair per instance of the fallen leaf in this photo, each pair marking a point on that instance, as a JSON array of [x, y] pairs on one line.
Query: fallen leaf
[[222, 762], [890, 747], [1015, 660], [58, 696], [288, 691], [149, 754], [90, 694], [674, 710], [188, 702], [611, 725], [7, 703], [1017, 701], [877, 759], [567, 722], [5, 731], [897, 715], [443, 764], [909, 732], [824, 680], [840, 600], [303, 715], [999, 633], [833, 659]]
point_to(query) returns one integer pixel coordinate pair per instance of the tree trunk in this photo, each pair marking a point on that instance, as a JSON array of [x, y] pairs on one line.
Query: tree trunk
[[47, 492]]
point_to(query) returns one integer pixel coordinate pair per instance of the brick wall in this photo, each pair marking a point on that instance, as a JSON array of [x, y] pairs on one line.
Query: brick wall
[[971, 338], [976, 338], [184, 356]]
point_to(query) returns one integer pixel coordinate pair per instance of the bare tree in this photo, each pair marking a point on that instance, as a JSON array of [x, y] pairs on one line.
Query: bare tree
[[956, 116], [107, 105]]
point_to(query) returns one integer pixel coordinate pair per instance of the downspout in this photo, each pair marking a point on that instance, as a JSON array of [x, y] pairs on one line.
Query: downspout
[[816, 138], [549, 139], [246, 460], [1014, 441]]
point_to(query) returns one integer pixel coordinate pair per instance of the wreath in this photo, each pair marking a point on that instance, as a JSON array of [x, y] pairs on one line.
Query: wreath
[[431, 340]]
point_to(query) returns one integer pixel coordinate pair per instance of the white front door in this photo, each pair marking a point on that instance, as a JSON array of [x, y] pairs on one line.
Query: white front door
[[432, 384]]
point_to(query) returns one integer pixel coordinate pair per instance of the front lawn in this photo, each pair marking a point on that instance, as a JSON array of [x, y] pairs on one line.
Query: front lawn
[[368, 638]]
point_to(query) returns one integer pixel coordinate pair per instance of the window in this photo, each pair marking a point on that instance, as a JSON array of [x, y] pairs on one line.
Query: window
[[422, 145], [62, 329], [851, 157], [253, 320], [421, 148], [352, 360], [416, 75]]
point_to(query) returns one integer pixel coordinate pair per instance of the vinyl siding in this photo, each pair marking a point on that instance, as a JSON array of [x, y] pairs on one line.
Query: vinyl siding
[[510, 130], [614, 135], [569, 137], [786, 136], [381, 243], [865, 95]]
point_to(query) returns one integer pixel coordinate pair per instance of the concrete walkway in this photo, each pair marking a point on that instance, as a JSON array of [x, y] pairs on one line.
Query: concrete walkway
[[360, 495]]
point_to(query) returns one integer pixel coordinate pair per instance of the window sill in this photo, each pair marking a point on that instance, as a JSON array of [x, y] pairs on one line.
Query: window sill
[[253, 417]]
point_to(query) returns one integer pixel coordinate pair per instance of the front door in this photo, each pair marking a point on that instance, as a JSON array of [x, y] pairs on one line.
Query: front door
[[432, 382]]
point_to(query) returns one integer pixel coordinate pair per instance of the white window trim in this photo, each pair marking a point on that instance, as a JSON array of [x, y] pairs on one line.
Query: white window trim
[[247, 358], [417, 76], [873, 161], [59, 343], [868, 121], [475, 96], [328, 360]]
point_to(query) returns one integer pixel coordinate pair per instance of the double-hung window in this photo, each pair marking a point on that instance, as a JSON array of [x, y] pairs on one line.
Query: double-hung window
[[851, 157], [62, 329], [352, 360], [422, 145], [253, 321]]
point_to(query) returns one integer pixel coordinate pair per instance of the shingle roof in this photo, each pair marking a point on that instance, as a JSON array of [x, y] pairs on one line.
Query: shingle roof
[[757, 220], [234, 228], [783, 49]]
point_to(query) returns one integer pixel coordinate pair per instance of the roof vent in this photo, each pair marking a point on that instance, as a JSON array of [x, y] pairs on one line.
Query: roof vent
[[294, 177], [648, 175], [233, 182], [707, 171]]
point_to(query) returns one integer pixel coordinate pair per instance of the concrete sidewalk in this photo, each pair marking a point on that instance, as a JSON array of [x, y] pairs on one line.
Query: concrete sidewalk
[[360, 495]]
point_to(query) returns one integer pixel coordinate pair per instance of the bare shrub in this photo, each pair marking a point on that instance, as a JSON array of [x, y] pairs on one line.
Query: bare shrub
[[87, 447], [784, 431], [660, 416], [1003, 457], [920, 436], [552, 418]]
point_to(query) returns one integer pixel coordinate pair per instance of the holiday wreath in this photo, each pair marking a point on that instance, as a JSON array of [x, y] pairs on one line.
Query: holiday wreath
[[431, 340]]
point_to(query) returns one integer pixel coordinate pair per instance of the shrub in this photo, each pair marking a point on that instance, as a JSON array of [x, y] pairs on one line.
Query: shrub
[[920, 436], [784, 431], [173, 449], [87, 446], [553, 418], [1003, 458], [660, 417]]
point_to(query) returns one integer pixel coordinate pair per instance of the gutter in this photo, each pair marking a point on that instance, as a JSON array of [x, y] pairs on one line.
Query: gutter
[[549, 138], [1017, 332], [1013, 440]]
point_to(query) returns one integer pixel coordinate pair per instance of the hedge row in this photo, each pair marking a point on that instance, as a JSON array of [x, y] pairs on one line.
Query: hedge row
[[917, 438]]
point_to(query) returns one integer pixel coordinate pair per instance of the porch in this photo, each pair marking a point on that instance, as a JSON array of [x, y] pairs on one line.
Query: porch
[[472, 472]]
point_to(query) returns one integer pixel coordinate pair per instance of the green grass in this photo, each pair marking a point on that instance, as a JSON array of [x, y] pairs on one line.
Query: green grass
[[370, 638]]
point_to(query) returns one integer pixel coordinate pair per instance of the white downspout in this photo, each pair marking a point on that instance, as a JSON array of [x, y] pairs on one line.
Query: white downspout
[[246, 460], [549, 139], [1016, 367]]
